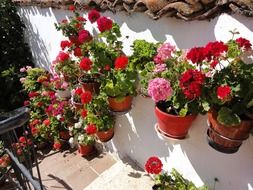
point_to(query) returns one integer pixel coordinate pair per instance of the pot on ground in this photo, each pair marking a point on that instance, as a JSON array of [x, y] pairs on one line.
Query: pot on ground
[[172, 125], [85, 150], [90, 85], [227, 139], [105, 136], [120, 104]]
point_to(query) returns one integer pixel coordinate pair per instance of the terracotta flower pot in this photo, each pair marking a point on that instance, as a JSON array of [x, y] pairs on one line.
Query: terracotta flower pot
[[120, 104], [105, 136], [64, 94], [77, 106], [91, 86], [85, 150], [173, 126], [227, 139], [64, 135]]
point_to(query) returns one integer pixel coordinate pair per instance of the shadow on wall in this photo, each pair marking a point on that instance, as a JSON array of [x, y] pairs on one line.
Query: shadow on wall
[[37, 45]]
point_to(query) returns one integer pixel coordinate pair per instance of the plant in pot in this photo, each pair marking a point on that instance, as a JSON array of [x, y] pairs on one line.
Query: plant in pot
[[61, 87], [142, 60], [80, 98], [5, 162], [120, 85], [168, 181], [229, 91], [176, 87], [93, 52], [98, 114]]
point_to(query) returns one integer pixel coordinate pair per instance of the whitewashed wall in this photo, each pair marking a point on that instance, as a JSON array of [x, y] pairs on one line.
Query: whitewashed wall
[[134, 134]]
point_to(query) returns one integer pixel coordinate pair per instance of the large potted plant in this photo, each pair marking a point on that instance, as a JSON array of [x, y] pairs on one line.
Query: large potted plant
[[229, 91], [176, 87], [93, 52], [120, 85]]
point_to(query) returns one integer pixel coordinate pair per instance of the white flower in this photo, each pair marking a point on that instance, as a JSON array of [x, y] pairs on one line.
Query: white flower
[[80, 138], [71, 128], [58, 117], [78, 125], [72, 142]]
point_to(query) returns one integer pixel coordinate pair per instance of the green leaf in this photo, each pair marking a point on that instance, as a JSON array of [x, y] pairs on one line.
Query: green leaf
[[250, 104], [183, 112], [228, 118]]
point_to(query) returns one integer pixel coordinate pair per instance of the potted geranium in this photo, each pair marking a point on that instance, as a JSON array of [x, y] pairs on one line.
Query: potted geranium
[[95, 52], [98, 114], [229, 91], [168, 181], [120, 85], [176, 87], [61, 87]]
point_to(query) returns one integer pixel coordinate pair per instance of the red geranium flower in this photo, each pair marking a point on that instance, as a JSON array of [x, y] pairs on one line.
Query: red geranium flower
[[64, 21], [85, 64], [84, 113], [121, 62], [107, 67], [77, 52], [34, 131], [57, 145], [72, 7], [62, 56], [26, 103], [78, 26], [79, 91], [215, 49], [65, 43], [84, 36], [104, 24], [214, 63], [22, 139], [35, 122], [81, 19], [46, 122], [196, 55], [93, 15], [243, 43], [153, 165], [33, 94], [86, 97], [223, 92], [91, 129]]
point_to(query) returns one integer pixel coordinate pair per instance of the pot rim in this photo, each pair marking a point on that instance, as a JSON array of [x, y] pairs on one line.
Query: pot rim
[[174, 116]]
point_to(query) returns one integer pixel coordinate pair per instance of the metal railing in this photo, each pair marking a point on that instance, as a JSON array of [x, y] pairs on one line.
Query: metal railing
[[22, 154]]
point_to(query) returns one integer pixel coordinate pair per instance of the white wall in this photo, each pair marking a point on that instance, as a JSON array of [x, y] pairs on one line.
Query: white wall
[[134, 134]]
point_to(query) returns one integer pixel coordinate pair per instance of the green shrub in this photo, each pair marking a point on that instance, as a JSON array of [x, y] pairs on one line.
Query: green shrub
[[14, 54]]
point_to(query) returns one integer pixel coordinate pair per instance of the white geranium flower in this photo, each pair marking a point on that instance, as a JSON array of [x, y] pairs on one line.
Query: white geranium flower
[[58, 117], [78, 125]]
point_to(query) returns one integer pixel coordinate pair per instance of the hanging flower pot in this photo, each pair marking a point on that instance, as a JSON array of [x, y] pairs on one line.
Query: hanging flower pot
[[90, 84], [120, 104], [227, 139], [63, 94], [85, 150], [172, 125], [105, 136]]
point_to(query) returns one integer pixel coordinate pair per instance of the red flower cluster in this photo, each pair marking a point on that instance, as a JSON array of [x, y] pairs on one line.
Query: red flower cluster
[[65, 44], [190, 83], [121, 62], [26, 103], [22, 139], [211, 51], [196, 54], [72, 7], [46, 122], [93, 15], [243, 43], [153, 165], [85, 64], [223, 92], [79, 91], [84, 36], [62, 56], [214, 63], [104, 24], [86, 97], [84, 113], [57, 145], [91, 129], [33, 94], [78, 52], [81, 19]]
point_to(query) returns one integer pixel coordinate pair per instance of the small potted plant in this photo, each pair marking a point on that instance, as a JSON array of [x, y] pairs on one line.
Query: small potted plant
[[61, 87], [5, 162], [168, 181], [98, 114], [80, 98], [120, 85], [176, 87], [229, 91]]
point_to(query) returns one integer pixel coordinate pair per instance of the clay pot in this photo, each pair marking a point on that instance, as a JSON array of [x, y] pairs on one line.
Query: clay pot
[[105, 136], [85, 150], [91, 85], [63, 94], [227, 139], [173, 126], [120, 104], [64, 135]]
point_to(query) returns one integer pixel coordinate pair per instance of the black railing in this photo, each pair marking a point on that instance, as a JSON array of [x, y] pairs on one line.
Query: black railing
[[21, 151]]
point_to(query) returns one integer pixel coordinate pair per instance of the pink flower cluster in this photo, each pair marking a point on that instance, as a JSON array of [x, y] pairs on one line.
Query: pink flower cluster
[[160, 68], [159, 89], [164, 53]]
